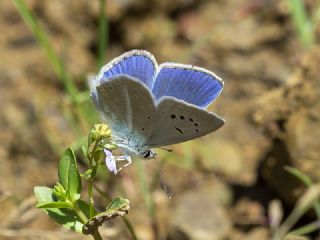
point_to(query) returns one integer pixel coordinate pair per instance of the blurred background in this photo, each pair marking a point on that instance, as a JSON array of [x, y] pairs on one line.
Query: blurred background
[[223, 184]]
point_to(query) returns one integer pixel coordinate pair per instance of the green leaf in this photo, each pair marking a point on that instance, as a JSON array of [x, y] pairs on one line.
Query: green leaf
[[91, 138], [84, 151], [64, 217], [69, 175], [55, 205], [43, 194], [117, 204]]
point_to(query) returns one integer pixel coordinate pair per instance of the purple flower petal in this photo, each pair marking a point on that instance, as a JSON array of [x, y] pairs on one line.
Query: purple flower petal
[[110, 161]]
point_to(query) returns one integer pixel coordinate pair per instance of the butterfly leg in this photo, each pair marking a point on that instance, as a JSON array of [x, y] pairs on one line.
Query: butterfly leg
[[123, 158]]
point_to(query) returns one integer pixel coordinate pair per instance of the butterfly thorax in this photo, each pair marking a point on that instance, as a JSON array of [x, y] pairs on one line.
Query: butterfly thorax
[[132, 145]]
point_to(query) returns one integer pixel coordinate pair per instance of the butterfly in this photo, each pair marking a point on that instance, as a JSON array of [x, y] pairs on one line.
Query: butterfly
[[147, 105]]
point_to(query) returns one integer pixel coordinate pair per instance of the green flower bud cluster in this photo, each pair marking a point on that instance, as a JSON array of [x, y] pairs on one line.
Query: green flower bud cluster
[[99, 131], [59, 192]]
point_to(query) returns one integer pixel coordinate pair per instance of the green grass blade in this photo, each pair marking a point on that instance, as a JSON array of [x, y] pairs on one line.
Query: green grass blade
[[316, 15], [302, 206], [307, 229], [302, 22], [144, 188], [103, 34], [306, 180], [45, 43]]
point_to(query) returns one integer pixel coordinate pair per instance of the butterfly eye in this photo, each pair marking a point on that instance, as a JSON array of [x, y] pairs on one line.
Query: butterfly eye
[[182, 117]]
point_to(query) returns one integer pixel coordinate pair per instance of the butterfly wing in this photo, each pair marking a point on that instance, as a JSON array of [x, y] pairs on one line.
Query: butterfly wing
[[177, 121], [128, 107], [138, 64], [191, 84]]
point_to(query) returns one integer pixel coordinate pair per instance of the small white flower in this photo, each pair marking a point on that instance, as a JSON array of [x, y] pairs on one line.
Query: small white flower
[[110, 161]]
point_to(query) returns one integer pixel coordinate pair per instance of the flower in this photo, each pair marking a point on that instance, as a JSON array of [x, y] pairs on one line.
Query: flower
[[110, 161]]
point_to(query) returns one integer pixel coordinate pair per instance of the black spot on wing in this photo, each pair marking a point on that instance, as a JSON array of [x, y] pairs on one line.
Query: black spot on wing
[[179, 130]]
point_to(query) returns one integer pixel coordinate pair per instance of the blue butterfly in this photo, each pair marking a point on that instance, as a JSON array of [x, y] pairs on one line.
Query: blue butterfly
[[149, 105]]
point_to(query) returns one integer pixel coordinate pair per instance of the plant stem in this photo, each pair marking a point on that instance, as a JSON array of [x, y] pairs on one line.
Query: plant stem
[[91, 179], [91, 200], [96, 235], [124, 218], [80, 214], [90, 190], [103, 194]]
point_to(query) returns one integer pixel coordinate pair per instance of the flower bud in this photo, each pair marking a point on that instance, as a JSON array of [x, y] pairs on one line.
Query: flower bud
[[59, 192], [99, 131]]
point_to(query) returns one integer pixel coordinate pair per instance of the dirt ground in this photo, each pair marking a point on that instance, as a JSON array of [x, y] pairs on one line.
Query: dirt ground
[[223, 183]]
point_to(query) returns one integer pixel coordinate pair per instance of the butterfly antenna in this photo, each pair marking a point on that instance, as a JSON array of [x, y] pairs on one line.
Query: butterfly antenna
[[161, 178], [166, 149]]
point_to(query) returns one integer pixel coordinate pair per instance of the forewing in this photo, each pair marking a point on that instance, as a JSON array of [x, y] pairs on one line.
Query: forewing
[[127, 106], [191, 84], [139, 64], [177, 121]]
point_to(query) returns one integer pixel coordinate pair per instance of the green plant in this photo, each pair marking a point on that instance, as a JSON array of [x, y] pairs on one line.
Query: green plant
[[69, 210], [304, 23], [63, 202], [308, 200]]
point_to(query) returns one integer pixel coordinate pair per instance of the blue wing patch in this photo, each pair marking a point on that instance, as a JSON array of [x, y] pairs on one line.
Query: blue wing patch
[[194, 85], [139, 64]]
